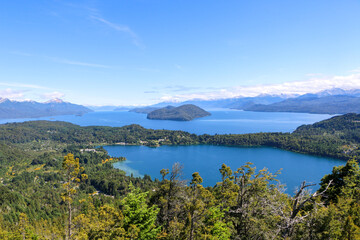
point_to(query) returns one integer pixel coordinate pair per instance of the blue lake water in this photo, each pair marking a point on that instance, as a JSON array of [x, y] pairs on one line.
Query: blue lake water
[[207, 160], [220, 122]]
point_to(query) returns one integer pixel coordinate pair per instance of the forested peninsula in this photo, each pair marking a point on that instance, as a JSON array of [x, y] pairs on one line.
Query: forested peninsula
[[57, 184]]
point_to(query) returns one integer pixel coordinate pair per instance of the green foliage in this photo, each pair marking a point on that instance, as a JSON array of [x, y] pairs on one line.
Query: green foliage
[[245, 204], [139, 218], [185, 112], [345, 181]]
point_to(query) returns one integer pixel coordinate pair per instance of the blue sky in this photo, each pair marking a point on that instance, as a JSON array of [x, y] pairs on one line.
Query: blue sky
[[145, 51]]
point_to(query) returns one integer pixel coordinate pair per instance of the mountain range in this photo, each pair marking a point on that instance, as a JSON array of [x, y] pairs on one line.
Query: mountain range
[[32, 109], [235, 103], [337, 104], [331, 101]]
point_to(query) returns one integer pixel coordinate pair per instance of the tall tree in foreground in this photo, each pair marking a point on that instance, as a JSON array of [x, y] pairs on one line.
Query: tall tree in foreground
[[196, 207], [74, 175], [171, 194], [139, 218], [254, 213]]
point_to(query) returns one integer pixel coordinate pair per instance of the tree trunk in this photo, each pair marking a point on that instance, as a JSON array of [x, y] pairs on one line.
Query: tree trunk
[[69, 221]]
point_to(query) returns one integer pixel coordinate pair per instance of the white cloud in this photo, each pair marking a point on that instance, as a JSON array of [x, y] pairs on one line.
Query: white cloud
[[52, 95], [12, 94], [312, 85]]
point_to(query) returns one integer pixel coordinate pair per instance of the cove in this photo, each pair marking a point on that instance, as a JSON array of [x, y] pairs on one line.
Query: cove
[[207, 160]]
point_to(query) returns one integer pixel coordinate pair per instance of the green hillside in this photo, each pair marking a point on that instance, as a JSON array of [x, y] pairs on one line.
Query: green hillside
[[186, 112]]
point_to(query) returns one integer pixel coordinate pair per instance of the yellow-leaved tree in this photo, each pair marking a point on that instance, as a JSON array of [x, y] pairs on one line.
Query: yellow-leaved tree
[[74, 174]]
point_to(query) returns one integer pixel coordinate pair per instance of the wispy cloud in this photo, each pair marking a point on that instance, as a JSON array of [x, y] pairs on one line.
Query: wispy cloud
[[150, 92], [311, 85], [144, 69], [174, 89], [180, 88], [121, 28], [71, 62], [88, 11], [61, 60]]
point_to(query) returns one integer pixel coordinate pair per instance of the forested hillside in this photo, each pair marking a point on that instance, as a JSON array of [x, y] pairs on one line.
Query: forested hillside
[[185, 112], [55, 182], [336, 137]]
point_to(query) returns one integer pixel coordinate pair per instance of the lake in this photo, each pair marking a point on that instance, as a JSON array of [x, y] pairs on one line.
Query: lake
[[221, 121], [207, 160]]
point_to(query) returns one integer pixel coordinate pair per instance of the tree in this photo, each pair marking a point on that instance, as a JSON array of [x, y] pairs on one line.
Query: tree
[[196, 207], [171, 194], [299, 202], [255, 212], [345, 181], [74, 175], [226, 190], [139, 218]]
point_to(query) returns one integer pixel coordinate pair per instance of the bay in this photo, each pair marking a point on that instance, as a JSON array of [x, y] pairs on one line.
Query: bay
[[207, 160], [222, 121]]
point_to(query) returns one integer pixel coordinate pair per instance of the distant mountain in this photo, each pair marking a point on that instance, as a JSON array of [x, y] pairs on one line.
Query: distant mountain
[[145, 110], [339, 91], [102, 108], [313, 103], [31, 109], [186, 112], [123, 108], [234, 103]]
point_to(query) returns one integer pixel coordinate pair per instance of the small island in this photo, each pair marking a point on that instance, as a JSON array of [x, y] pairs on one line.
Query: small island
[[186, 112]]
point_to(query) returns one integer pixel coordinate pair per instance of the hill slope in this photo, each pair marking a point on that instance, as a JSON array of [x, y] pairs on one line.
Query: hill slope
[[186, 112]]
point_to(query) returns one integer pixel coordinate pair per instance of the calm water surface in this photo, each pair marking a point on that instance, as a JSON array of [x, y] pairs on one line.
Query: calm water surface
[[207, 160], [220, 122]]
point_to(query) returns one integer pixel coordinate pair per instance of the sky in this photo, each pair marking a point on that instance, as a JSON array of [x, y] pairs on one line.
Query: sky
[[140, 52]]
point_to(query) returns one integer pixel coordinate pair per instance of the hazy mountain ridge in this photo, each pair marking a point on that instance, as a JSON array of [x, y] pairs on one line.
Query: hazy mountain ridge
[[144, 110], [332, 104], [236, 102], [32, 109], [185, 112]]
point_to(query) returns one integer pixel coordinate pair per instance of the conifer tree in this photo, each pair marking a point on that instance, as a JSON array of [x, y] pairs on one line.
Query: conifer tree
[[139, 218]]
